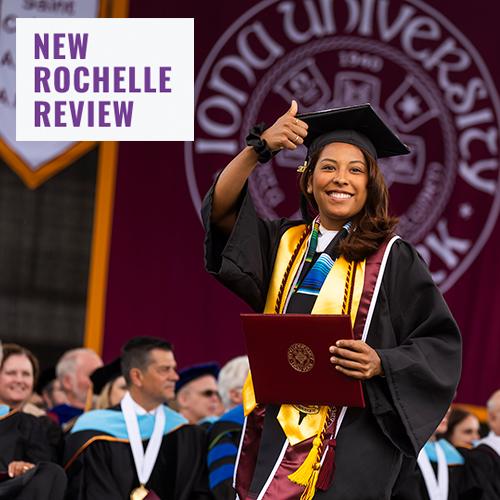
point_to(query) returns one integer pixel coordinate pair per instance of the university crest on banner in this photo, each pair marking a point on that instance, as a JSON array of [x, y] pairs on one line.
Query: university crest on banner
[[418, 70], [35, 162]]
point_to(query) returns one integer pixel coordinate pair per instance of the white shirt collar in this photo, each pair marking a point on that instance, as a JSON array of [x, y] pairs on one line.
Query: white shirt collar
[[139, 410], [325, 236]]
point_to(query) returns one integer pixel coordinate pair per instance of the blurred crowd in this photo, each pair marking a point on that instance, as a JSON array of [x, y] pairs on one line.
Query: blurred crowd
[[66, 433]]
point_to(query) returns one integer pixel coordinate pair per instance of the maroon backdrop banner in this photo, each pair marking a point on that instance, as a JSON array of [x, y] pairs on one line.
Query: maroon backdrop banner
[[430, 68]]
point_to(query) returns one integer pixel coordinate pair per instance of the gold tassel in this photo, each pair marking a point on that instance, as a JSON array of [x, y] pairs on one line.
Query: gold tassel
[[304, 473], [310, 490], [307, 474]]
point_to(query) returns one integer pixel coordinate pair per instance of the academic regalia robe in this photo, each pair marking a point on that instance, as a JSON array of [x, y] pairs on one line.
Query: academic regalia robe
[[223, 441], [23, 437], [100, 465], [54, 436], [484, 464], [64, 413], [414, 334], [462, 482]]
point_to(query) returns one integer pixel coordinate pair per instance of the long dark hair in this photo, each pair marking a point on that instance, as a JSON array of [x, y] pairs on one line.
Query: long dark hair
[[456, 416], [372, 225]]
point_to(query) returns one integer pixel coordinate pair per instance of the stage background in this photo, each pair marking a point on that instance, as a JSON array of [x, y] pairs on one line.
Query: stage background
[[156, 283]]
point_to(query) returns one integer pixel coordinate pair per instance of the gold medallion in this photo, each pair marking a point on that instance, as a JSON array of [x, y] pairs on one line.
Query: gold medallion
[[139, 493], [300, 358]]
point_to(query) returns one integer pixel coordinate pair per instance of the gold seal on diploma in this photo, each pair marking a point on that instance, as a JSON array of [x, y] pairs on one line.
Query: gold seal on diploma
[[300, 358], [139, 493]]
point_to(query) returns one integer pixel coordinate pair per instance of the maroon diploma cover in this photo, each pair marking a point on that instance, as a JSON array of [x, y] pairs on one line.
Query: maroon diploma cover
[[290, 359]]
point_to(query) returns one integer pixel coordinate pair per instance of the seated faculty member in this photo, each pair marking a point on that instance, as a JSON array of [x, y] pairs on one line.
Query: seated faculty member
[[232, 377], [108, 384], [140, 448], [73, 372], [440, 472], [197, 393], [463, 429], [485, 456], [19, 370]]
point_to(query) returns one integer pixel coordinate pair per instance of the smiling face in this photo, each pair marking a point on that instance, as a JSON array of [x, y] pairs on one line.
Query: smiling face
[[465, 432], [339, 184], [16, 380]]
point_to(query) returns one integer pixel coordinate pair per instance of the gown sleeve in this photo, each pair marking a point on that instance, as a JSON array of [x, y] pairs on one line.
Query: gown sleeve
[[419, 345], [191, 479], [36, 445], [243, 261]]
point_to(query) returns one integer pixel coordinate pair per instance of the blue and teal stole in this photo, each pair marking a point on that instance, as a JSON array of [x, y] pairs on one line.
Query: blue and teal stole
[[451, 454], [112, 422], [315, 270]]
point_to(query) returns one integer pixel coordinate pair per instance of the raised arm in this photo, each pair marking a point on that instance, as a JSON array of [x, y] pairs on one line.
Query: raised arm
[[287, 132]]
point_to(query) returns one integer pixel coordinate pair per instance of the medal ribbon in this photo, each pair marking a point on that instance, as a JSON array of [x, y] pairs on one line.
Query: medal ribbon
[[436, 487], [144, 461]]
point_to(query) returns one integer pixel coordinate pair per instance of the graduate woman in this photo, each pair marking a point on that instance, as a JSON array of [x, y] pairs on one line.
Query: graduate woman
[[343, 257]]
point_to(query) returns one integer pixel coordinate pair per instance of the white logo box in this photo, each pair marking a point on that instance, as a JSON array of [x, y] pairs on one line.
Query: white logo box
[[104, 79]]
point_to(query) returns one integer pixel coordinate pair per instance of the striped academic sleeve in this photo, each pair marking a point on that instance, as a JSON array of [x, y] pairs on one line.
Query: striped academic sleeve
[[223, 438]]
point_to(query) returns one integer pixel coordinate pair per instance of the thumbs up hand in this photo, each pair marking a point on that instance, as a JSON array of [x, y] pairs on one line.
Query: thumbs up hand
[[287, 131], [294, 107]]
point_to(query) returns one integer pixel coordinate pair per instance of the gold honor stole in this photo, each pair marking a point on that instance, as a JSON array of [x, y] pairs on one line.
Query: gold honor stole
[[329, 301]]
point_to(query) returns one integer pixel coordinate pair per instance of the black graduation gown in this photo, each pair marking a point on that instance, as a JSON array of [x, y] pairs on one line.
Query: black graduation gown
[[484, 467], [105, 470], [24, 437], [412, 330], [462, 484], [54, 436]]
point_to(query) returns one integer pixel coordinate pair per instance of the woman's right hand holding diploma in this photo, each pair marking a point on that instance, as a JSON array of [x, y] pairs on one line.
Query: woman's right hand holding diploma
[[356, 359]]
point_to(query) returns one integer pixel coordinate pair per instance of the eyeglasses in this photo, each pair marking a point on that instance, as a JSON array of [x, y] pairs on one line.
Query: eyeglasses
[[208, 393]]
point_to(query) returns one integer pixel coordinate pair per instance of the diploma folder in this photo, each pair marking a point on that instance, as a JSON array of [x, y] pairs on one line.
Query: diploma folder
[[290, 359]]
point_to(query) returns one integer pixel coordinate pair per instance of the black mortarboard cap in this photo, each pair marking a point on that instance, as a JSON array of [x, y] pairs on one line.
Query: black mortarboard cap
[[105, 374], [358, 125], [191, 373]]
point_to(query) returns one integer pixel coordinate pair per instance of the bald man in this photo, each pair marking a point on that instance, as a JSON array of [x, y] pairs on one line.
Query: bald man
[[73, 371]]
